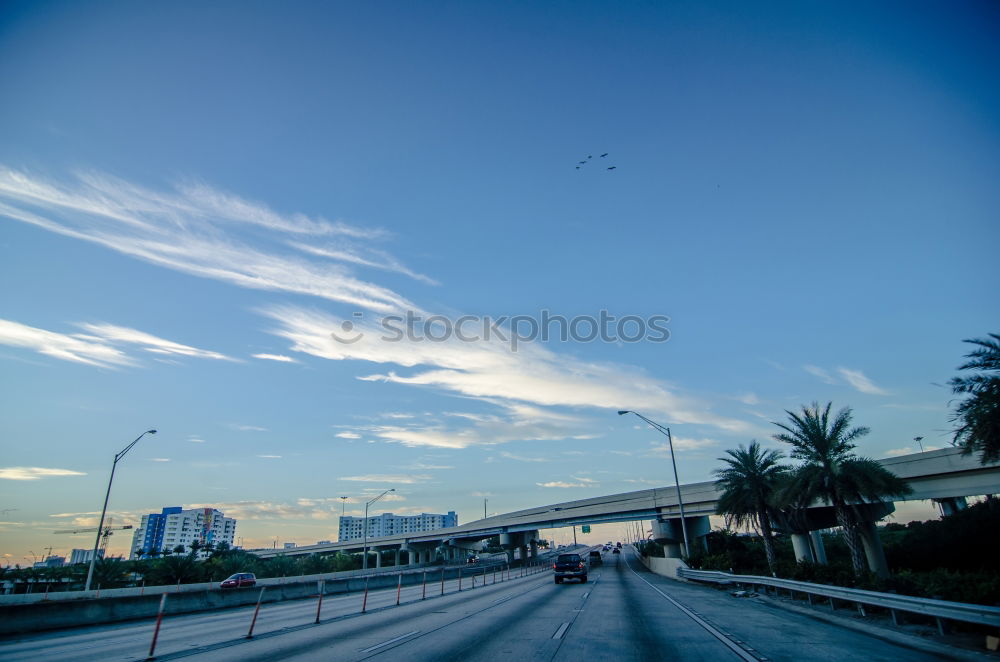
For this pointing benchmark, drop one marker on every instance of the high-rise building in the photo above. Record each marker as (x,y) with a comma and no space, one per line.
(164,531)
(387,524)
(84,555)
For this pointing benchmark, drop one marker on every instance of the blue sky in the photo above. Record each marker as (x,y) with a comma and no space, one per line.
(192,198)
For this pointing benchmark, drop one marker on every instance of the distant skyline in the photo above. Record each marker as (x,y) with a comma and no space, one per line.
(207,213)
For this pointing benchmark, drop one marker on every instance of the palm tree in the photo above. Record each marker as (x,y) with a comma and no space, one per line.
(978,416)
(831,472)
(748,484)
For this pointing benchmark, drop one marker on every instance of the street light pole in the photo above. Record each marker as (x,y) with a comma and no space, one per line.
(677,483)
(104,510)
(364,559)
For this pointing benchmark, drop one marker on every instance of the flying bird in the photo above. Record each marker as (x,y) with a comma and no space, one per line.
(590,156)
(612,167)
(604,154)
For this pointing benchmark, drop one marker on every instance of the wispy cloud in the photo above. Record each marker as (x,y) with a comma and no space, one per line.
(403,479)
(247,428)
(159,459)
(562,484)
(853,378)
(97,347)
(275,357)
(88,350)
(860,382)
(423,466)
(198,230)
(348,435)
(526,384)
(522,458)
(35,473)
(318,509)
(822,374)
(682,444)
(270,457)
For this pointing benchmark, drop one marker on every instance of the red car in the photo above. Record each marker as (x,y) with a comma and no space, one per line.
(239,580)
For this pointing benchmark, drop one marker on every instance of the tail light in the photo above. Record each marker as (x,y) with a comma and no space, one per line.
(581,565)
(553,566)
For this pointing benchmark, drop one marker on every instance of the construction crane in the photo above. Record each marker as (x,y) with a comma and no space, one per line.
(108,529)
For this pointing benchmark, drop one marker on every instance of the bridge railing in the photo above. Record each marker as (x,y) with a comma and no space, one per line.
(938,609)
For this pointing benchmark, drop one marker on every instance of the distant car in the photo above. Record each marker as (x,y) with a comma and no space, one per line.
(595,558)
(239,580)
(569,566)
(472,559)
(616,551)
(619,545)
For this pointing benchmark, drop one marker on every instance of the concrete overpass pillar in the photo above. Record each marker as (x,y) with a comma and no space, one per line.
(534,548)
(524,553)
(378,558)
(952,505)
(672,550)
(803,550)
(819,551)
(398,550)
(873,549)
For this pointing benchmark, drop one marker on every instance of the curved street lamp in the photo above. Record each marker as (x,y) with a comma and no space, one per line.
(680,502)
(107,495)
(364,560)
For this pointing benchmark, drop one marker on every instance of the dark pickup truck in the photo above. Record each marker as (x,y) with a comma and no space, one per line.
(570,566)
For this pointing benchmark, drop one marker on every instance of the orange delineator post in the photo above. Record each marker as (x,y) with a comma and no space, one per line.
(321,586)
(156,630)
(255,612)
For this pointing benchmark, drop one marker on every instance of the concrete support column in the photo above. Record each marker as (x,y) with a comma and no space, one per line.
(952,505)
(524,553)
(378,558)
(398,550)
(803,550)
(672,550)
(873,549)
(819,551)
(534,548)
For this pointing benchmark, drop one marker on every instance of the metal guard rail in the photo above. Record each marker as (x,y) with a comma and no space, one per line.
(954,611)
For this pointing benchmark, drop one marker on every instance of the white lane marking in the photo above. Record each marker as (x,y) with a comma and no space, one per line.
(586,594)
(391,641)
(747,657)
(504,597)
(561,631)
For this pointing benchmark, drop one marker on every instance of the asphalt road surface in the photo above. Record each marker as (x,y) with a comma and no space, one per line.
(624,612)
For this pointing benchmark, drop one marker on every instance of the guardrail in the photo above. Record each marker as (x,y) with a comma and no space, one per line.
(937,609)
(492,561)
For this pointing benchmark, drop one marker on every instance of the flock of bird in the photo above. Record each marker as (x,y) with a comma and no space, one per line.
(587,160)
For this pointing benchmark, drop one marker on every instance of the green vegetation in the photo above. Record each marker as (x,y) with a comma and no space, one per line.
(749,483)
(949,559)
(831,472)
(977,416)
(182,568)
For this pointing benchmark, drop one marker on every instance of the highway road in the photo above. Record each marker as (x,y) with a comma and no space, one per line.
(623,612)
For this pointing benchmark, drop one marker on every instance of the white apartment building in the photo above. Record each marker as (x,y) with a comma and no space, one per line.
(164,531)
(387,524)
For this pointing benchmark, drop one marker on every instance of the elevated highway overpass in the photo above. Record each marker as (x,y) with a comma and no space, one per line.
(944,475)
